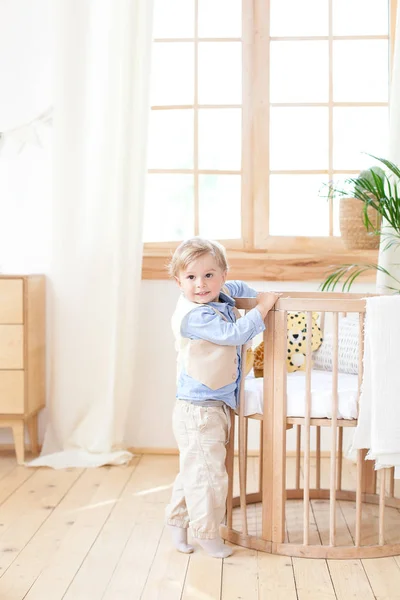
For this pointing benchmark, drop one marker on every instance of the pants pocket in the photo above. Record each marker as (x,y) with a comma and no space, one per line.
(216,427)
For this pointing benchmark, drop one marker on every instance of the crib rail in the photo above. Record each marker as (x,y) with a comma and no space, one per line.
(295,303)
(273,492)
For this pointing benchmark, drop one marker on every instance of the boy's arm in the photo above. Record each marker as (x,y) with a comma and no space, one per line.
(206,324)
(240,289)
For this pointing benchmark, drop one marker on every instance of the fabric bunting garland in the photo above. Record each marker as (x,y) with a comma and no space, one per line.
(28,133)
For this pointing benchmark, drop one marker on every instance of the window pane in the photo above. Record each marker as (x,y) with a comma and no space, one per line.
(169,207)
(299,138)
(296,205)
(173,19)
(172,74)
(356,131)
(360,17)
(295,17)
(220,206)
(220,73)
(299,71)
(220,139)
(220,18)
(171,139)
(360,71)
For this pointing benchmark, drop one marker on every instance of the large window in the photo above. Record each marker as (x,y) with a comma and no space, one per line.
(256,105)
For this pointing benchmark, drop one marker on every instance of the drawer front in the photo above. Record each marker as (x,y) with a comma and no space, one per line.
(11,300)
(12,392)
(11,346)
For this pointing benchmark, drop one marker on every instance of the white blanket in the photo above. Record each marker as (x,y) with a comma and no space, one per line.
(321,395)
(378,426)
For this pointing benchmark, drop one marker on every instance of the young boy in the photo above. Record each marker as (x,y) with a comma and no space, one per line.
(208,340)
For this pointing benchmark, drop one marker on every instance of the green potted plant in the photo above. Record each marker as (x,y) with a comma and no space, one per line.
(378,190)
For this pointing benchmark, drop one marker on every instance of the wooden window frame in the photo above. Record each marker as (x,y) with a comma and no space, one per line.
(257,255)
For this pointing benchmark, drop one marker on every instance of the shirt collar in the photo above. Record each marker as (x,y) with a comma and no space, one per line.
(225,298)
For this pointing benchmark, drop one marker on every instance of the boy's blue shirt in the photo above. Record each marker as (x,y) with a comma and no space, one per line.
(204,323)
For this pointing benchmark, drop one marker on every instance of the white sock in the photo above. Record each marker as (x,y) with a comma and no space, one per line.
(215,547)
(179,539)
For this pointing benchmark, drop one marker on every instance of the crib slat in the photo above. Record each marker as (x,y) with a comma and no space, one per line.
(307,427)
(318,458)
(268,427)
(260,460)
(298,450)
(382,507)
(243,429)
(332,495)
(322,323)
(279,428)
(360,465)
(360,356)
(369,474)
(243,454)
(340,460)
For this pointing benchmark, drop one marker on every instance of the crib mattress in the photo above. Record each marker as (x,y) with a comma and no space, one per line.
(321,395)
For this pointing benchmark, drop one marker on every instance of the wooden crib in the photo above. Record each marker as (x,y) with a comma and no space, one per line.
(337,518)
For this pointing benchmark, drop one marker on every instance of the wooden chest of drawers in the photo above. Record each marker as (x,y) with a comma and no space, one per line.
(22,356)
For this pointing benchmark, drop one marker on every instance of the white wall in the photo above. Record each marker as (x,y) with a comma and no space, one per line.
(26,68)
(26,60)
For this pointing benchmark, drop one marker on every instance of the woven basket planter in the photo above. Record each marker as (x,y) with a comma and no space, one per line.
(352,228)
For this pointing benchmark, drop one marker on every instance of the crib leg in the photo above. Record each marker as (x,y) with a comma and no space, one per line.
(391,483)
(268,428)
(279,433)
(369,480)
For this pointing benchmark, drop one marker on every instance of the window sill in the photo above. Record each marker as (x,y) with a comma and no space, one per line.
(259,265)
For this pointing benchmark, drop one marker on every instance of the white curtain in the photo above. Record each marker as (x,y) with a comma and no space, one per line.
(390,258)
(102,66)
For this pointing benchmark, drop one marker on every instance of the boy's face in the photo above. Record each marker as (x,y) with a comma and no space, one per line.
(202,280)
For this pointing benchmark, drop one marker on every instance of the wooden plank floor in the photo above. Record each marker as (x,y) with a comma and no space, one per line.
(98,534)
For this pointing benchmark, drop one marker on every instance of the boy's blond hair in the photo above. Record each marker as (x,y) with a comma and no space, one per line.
(191,249)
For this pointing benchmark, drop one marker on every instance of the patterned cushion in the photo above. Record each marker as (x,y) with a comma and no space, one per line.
(348,348)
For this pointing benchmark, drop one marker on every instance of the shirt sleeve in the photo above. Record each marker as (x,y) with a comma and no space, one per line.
(240,289)
(206,324)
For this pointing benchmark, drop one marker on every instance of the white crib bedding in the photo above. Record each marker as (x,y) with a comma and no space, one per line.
(321,395)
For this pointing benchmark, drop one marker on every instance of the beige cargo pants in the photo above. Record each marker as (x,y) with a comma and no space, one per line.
(199,493)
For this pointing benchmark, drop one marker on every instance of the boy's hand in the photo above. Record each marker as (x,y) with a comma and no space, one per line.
(265,301)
